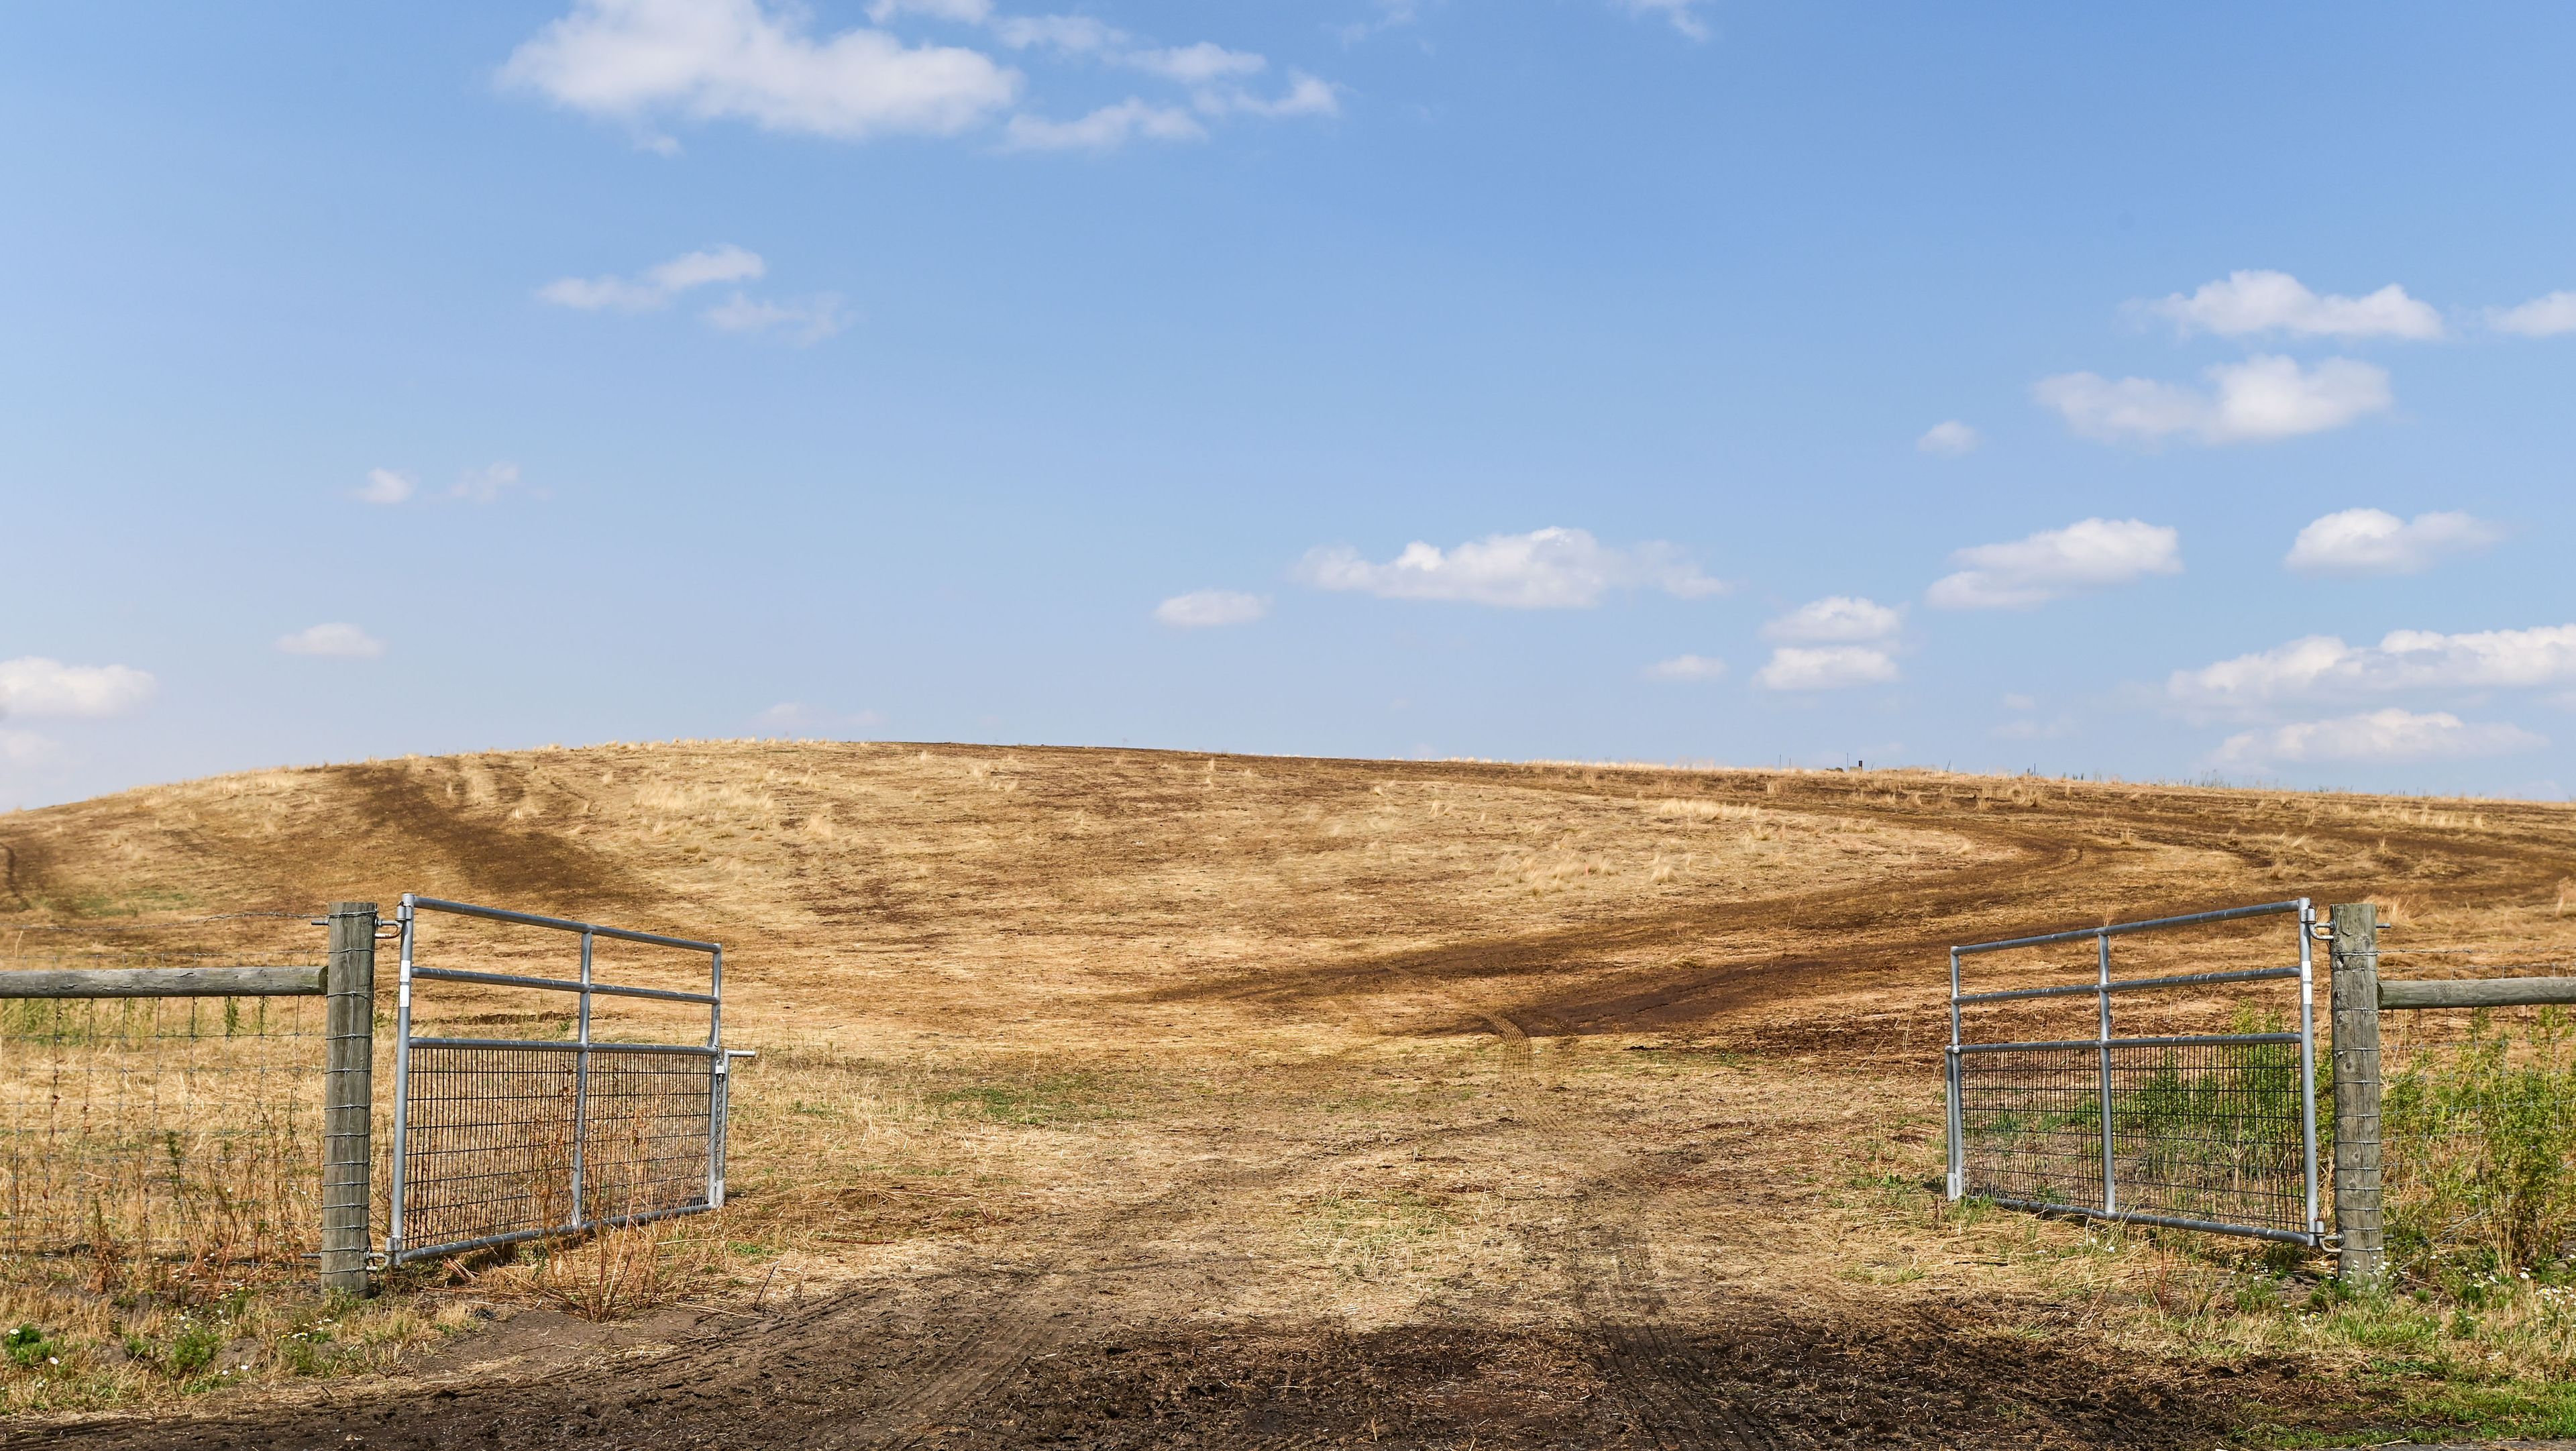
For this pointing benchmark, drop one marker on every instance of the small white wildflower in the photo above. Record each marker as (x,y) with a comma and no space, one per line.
(53,1360)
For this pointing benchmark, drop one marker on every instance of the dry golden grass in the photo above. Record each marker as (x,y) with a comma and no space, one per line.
(1381,1042)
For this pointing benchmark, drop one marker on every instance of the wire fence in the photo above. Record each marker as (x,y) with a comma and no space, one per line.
(153,1141)
(2478,1123)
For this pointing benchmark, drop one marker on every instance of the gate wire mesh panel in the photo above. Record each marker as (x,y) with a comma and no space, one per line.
(2032,1121)
(2211,1131)
(647,1146)
(488,1141)
(487,1144)
(2478,1126)
(153,1142)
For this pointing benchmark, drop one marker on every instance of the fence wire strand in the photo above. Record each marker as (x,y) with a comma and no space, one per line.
(161,1136)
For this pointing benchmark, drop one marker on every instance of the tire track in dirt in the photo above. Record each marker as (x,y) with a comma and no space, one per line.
(1044,1315)
(1647,1366)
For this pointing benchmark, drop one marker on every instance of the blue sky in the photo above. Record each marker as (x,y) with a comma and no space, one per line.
(2151,394)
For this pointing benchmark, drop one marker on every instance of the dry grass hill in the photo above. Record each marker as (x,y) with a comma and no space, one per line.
(1123,1097)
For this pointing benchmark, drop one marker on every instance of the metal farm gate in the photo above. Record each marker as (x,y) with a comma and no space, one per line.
(503,1139)
(2206,1131)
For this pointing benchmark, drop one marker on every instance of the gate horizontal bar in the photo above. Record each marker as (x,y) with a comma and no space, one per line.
(2164,1221)
(559,984)
(561,924)
(162,982)
(2189,979)
(561,1047)
(2116,928)
(2482,992)
(2187,1040)
(522,1236)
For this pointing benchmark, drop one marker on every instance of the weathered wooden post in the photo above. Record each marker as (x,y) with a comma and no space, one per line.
(2364,1257)
(348,1097)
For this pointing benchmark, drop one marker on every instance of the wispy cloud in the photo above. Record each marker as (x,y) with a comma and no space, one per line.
(2373,541)
(2378,736)
(656,286)
(1825,667)
(1210,608)
(1950,439)
(2054,563)
(2259,400)
(1682,15)
(1687,668)
(804,320)
(1836,618)
(35,685)
(1107,128)
(1545,569)
(487,484)
(2246,303)
(336,641)
(384,486)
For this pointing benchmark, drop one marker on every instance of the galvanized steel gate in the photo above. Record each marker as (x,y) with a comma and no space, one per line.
(2212,1132)
(501,1140)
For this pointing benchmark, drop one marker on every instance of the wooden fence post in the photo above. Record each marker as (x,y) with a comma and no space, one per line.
(2364,1257)
(348,1097)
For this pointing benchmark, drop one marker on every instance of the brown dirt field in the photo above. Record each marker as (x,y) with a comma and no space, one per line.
(1131,1098)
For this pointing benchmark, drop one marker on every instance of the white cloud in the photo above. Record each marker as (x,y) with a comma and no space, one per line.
(657,285)
(2054,563)
(1683,14)
(2379,735)
(1197,65)
(737,59)
(808,321)
(1306,96)
(1545,569)
(2250,302)
(963,12)
(2321,666)
(1825,667)
(486,484)
(34,685)
(1687,667)
(339,641)
(1203,609)
(1391,14)
(384,486)
(1067,34)
(2021,702)
(2256,401)
(1107,128)
(2542,317)
(1951,438)
(1836,618)
(2373,541)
